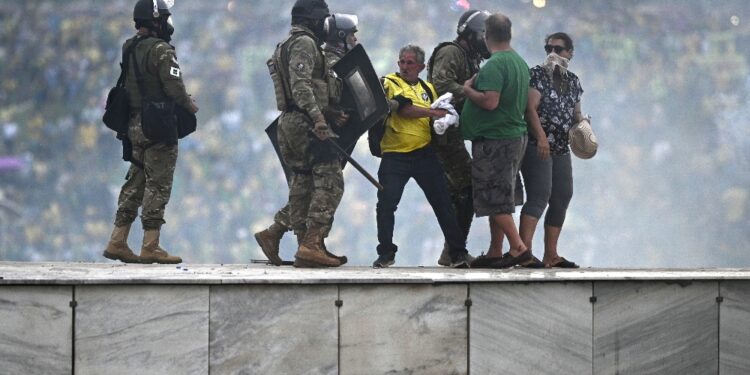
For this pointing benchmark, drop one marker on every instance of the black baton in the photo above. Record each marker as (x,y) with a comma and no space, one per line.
(355,164)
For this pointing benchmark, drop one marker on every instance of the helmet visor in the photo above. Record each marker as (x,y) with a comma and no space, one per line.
(346,22)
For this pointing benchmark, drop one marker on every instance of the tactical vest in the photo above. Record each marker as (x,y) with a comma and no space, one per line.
(471,67)
(151,83)
(335,86)
(326,89)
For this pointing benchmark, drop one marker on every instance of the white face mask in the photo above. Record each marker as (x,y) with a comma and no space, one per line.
(553,61)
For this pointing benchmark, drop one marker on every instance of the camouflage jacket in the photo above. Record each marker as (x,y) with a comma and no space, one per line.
(450,66)
(162,77)
(333,54)
(308,72)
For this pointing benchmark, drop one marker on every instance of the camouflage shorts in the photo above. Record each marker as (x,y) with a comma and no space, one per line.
(494,169)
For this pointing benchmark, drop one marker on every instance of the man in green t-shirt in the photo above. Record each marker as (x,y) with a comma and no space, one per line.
(493,119)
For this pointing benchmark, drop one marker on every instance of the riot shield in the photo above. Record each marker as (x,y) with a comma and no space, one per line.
(271,131)
(363,96)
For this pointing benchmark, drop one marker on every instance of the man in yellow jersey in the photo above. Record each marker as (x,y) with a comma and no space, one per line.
(407,154)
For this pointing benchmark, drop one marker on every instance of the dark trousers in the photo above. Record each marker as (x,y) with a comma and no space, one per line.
(395,171)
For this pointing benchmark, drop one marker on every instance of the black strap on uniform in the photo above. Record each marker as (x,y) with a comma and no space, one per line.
(129,52)
(127,146)
(467,58)
(138,75)
(141,90)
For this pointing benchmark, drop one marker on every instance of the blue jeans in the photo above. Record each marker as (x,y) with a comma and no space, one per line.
(395,171)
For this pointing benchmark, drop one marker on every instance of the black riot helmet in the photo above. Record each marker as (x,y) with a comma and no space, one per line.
(311,9)
(154,15)
(150,9)
(471,28)
(338,26)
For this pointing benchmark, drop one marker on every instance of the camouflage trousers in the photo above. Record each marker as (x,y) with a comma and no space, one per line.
(456,162)
(149,187)
(315,188)
(283,218)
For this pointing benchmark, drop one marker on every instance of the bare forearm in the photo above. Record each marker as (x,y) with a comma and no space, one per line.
(487,100)
(577,113)
(412,111)
(534,125)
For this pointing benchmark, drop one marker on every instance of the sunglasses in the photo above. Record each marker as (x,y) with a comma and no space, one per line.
(549,48)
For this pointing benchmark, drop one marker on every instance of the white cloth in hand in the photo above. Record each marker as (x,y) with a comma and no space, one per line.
(451,119)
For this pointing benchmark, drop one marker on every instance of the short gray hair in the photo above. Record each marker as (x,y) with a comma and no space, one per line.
(416,50)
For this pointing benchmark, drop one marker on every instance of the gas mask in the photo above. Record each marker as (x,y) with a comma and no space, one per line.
(166,28)
(318,29)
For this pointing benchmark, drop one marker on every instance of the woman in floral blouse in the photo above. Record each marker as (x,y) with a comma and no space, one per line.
(555,103)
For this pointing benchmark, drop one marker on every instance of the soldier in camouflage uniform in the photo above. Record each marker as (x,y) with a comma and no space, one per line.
(340,36)
(451,64)
(149,180)
(317,183)
(339,30)
(340,39)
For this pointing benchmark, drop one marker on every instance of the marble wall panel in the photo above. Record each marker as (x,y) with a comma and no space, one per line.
(274,329)
(36,329)
(656,328)
(734,329)
(536,328)
(403,329)
(143,329)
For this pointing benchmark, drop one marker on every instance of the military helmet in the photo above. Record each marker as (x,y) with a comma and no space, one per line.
(472,21)
(313,9)
(339,25)
(150,9)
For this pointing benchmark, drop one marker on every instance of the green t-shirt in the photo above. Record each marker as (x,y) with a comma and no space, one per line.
(507,73)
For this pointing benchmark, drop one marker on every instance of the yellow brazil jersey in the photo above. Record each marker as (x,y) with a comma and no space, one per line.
(406,134)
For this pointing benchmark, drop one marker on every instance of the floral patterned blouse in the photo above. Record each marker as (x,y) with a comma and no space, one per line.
(555,109)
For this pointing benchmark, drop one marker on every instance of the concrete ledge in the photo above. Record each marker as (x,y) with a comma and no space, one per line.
(19,273)
(238,319)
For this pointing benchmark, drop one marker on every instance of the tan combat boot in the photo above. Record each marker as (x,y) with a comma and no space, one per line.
(310,254)
(342,258)
(269,240)
(117,248)
(152,253)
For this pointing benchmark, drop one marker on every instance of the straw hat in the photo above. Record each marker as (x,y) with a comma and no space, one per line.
(583,142)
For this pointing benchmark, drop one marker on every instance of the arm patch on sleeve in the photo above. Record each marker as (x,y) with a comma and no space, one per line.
(175,72)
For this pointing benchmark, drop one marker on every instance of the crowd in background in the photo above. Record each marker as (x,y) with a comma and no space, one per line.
(666,83)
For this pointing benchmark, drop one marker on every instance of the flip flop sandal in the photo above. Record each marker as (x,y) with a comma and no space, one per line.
(534,262)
